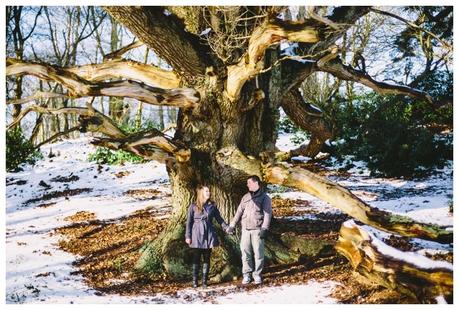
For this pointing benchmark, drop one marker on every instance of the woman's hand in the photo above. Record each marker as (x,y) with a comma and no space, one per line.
(188,241)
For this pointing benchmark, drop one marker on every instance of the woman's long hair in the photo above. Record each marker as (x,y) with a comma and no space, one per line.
(200,200)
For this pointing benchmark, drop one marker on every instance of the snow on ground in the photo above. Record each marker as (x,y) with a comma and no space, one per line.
(284,142)
(317,293)
(31,252)
(424,200)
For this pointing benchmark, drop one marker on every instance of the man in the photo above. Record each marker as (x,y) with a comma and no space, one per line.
(256,212)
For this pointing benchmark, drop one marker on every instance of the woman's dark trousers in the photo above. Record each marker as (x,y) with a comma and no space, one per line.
(197,254)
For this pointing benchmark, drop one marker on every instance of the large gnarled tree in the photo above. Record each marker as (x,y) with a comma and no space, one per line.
(228,82)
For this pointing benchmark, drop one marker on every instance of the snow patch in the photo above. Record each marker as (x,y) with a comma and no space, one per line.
(312,292)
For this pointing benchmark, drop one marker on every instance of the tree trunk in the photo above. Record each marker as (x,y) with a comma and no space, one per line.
(161,117)
(207,131)
(411,273)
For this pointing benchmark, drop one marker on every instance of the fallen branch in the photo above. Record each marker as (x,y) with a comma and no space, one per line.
(328,191)
(408,272)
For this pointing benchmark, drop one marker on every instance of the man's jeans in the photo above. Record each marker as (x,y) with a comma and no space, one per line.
(252,249)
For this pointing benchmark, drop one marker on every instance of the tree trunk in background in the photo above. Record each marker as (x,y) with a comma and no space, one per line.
(138,116)
(115,104)
(161,117)
(171,114)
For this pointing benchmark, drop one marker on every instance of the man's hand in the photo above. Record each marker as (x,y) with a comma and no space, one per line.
(188,241)
(263,233)
(230,230)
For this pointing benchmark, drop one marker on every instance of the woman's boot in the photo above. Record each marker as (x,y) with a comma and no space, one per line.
(205,273)
(195,270)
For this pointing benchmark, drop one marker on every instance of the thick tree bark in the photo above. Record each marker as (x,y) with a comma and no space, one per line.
(166,36)
(410,273)
(304,116)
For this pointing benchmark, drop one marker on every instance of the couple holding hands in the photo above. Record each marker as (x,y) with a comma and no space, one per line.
(256,212)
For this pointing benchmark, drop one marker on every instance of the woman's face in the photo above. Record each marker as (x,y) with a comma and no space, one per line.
(205,193)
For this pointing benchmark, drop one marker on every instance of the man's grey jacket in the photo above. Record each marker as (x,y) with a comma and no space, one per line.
(255,210)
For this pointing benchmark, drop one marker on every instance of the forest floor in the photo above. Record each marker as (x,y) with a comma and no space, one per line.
(74,228)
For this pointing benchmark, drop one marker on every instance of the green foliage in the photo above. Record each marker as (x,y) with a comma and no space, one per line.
(436,19)
(19,150)
(106,156)
(286,125)
(299,135)
(439,85)
(385,132)
(130,127)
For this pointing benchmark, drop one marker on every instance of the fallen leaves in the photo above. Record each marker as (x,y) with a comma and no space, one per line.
(70,178)
(57,194)
(45,274)
(122,174)
(143,194)
(46,205)
(81,216)
(110,248)
(109,251)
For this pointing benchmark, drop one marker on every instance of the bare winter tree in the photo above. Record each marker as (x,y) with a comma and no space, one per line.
(228,80)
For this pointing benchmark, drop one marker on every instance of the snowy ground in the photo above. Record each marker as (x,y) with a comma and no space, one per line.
(38,272)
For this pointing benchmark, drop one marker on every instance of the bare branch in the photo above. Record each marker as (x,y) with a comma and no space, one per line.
(79,87)
(94,121)
(409,272)
(57,135)
(264,36)
(313,13)
(38,95)
(128,69)
(413,25)
(117,54)
(149,145)
(34,24)
(341,71)
(307,118)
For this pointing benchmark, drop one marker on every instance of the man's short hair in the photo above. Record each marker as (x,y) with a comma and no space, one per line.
(255,178)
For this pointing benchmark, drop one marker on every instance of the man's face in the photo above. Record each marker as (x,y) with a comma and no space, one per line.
(252,185)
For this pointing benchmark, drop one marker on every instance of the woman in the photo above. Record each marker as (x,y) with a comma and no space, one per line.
(200,234)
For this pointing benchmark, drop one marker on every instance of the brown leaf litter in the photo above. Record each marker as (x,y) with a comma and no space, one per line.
(57,194)
(110,249)
(80,216)
(143,194)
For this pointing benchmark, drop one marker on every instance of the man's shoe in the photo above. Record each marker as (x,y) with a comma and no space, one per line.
(257,280)
(246,279)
